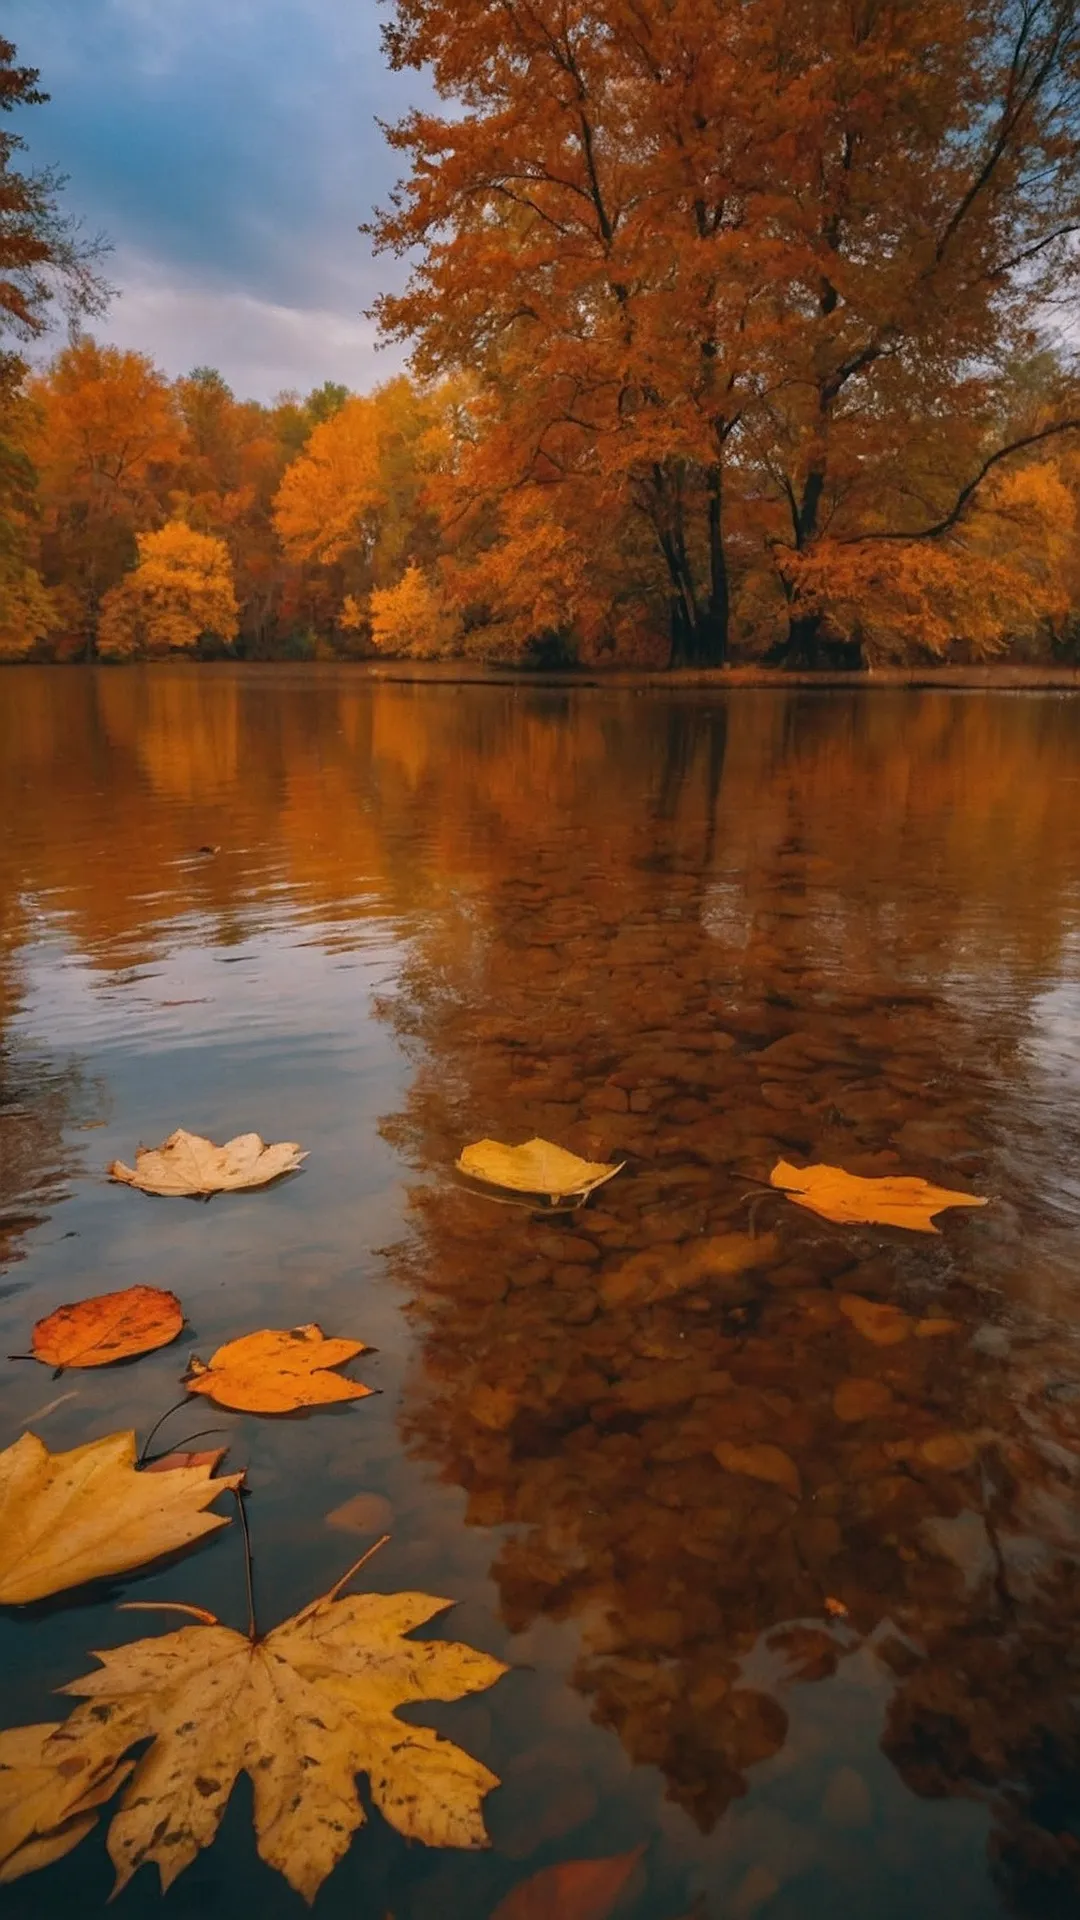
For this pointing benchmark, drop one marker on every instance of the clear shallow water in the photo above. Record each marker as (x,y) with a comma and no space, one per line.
(700,934)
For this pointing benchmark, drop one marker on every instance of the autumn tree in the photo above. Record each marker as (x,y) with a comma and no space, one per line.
(323,402)
(28,611)
(741,269)
(233,458)
(181,592)
(354,503)
(107,448)
(934,200)
(577,250)
(547,574)
(413,617)
(43,253)
(43,257)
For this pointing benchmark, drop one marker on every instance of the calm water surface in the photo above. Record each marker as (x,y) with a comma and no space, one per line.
(694,935)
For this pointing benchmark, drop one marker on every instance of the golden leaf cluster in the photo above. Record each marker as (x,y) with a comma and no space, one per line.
(302,1710)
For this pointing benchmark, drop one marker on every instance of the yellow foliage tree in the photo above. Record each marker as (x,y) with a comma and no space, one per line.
(356,502)
(412,618)
(331,493)
(181,589)
(27,611)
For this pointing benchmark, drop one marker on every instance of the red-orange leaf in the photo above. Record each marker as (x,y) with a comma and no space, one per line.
(574,1890)
(169,1462)
(110,1326)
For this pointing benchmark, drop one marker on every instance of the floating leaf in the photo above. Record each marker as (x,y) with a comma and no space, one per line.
(168,1462)
(70,1517)
(276,1372)
(896,1201)
(302,1712)
(187,1164)
(573,1890)
(47,1804)
(536,1167)
(111,1326)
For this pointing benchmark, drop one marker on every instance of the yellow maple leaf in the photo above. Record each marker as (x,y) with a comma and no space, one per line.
(898,1200)
(538,1166)
(70,1517)
(276,1371)
(48,1803)
(302,1711)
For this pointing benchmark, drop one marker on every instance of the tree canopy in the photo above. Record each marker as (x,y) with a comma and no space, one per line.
(756,275)
(733,332)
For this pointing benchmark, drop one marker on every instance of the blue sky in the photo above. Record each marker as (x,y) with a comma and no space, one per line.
(228,148)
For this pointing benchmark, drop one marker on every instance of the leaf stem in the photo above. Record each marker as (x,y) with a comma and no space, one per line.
(159,1423)
(147,1459)
(253,1631)
(355,1568)
(169,1606)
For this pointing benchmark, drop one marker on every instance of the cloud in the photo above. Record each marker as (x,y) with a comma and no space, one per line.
(229,149)
(262,347)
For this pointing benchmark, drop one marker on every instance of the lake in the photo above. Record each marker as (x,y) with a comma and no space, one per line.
(787,1587)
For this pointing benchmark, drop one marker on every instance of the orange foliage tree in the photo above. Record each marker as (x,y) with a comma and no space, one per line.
(107,448)
(354,501)
(235,453)
(549,574)
(1003,576)
(755,274)
(118,450)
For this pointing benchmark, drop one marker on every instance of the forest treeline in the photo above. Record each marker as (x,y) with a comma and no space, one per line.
(734,331)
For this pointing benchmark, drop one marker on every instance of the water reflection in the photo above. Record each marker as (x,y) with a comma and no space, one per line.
(811,944)
(40,1101)
(815,1590)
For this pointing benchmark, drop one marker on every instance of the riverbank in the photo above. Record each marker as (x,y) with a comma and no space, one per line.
(1012,678)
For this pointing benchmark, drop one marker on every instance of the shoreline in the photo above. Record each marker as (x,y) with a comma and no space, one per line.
(458,673)
(722,679)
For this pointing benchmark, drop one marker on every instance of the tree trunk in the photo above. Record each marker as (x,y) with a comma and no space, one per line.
(800,647)
(713,630)
(803,641)
(684,612)
(680,649)
(699,634)
(805,646)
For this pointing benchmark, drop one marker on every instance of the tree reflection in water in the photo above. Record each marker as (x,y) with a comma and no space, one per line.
(38,1101)
(811,951)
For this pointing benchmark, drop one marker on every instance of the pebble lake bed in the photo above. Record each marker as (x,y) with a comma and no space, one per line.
(773,1519)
